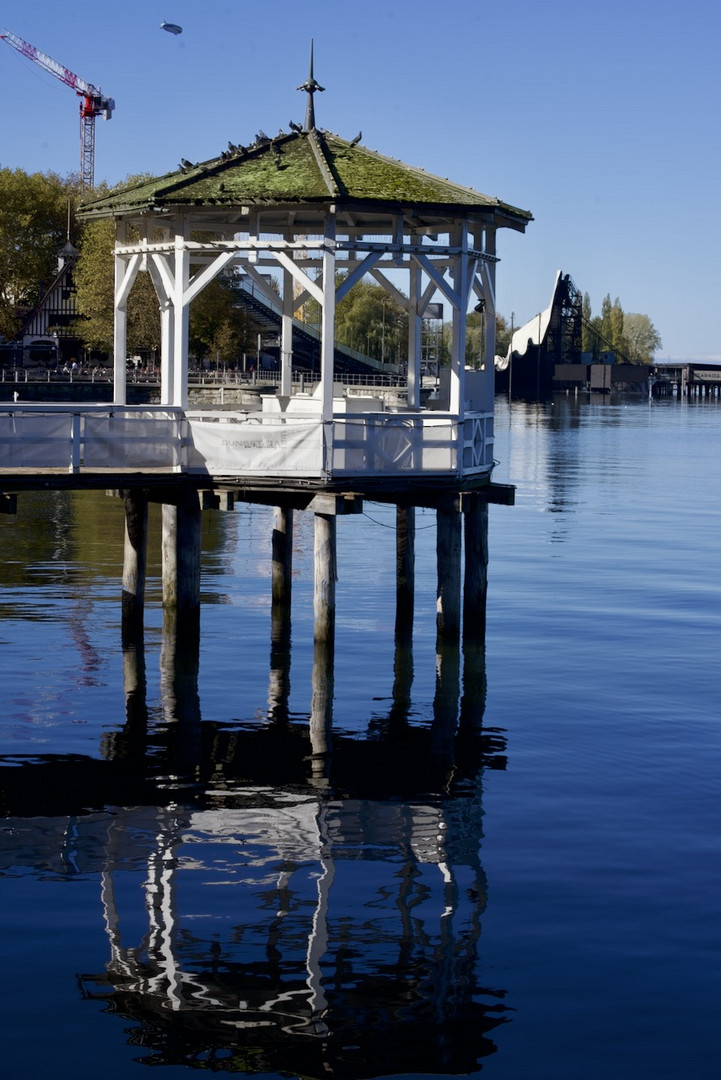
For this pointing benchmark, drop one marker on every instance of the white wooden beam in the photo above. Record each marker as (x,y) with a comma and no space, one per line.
(450,293)
(356,274)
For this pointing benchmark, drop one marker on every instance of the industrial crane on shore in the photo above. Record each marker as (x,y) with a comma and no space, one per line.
(92,101)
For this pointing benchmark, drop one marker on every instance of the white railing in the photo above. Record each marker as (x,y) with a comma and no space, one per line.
(257,444)
(370,444)
(92,437)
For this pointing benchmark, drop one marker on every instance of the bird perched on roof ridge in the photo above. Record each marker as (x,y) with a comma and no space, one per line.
(357,139)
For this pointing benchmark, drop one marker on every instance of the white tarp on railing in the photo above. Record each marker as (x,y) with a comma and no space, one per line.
(256,447)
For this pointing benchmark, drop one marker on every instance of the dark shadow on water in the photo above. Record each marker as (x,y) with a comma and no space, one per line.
(309,903)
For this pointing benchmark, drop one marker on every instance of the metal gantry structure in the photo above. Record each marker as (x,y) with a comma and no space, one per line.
(92,101)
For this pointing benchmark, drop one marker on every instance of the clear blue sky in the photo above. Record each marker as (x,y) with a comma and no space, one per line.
(601,119)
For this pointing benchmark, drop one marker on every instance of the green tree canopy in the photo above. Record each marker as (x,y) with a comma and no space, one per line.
(33,228)
(219,328)
(642,337)
(94,278)
(368,319)
(632,337)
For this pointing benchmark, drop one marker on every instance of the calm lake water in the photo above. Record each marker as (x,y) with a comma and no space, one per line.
(511,867)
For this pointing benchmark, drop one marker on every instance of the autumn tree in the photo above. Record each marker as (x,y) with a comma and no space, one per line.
(33,228)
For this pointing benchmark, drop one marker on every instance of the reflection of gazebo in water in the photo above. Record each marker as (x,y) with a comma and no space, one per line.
(295,902)
(324,937)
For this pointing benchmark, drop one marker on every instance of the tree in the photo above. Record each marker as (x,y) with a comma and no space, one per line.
(368,319)
(632,337)
(219,328)
(33,229)
(503,335)
(475,330)
(606,326)
(94,282)
(642,337)
(372,321)
(588,336)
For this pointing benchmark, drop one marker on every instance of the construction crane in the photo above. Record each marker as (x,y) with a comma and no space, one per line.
(92,101)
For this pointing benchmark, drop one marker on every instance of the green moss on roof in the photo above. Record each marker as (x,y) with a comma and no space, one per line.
(298,168)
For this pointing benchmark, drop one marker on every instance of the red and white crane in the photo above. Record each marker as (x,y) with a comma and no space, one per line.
(92,101)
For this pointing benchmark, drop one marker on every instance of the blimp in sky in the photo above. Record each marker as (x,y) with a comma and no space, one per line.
(171,27)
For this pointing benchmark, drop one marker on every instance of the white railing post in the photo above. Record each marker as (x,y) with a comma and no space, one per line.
(75,437)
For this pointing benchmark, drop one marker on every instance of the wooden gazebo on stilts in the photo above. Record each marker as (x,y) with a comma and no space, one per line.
(319,213)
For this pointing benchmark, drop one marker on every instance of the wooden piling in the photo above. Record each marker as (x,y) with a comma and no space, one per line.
(282,555)
(448,563)
(134,563)
(280,634)
(324,578)
(475,582)
(181,552)
(405,568)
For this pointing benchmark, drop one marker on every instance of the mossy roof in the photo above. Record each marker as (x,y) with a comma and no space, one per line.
(300,167)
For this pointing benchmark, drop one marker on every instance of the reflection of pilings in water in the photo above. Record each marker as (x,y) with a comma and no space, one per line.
(131,743)
(179,665)
(379,960)
(473,699)
(282,548)
(445,702)
(319,938)
(134,563)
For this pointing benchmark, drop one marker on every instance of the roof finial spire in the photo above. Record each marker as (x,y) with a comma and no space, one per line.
(310,86)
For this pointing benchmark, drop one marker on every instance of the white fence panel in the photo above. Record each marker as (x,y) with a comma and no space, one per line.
(385,445)
(39,440)
(119,440)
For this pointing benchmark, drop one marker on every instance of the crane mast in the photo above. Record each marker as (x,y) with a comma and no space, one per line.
(92,101)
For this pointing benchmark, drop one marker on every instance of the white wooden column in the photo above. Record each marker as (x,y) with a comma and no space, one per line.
(488,277)
(178,374)
(120,319)
(327,339)
(458,345)
(415,326)
(120,338)
(286,336)
(161,276)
